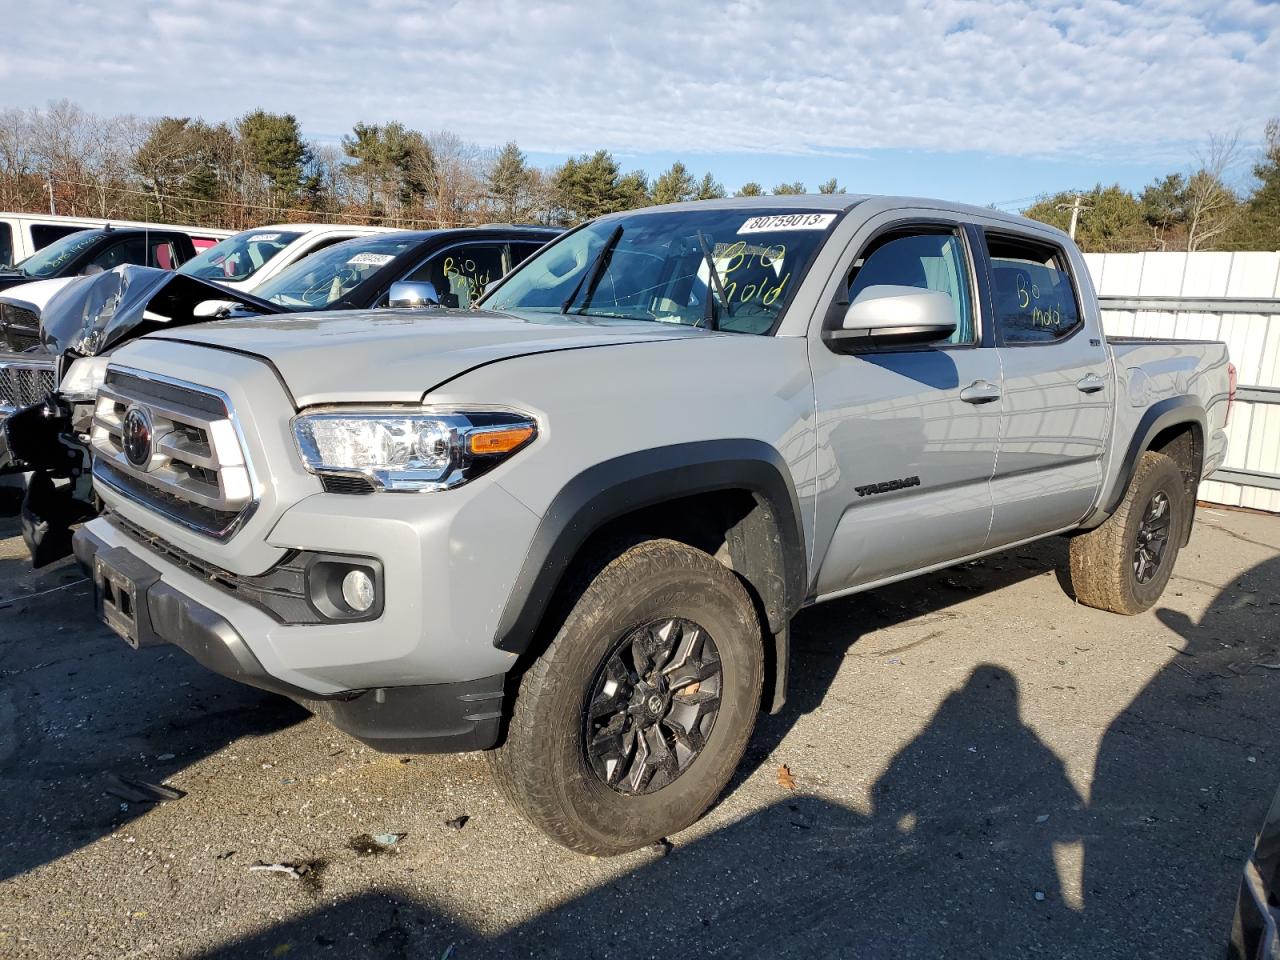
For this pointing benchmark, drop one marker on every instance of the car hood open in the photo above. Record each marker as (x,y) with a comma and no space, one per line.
(398,355)
(93,314)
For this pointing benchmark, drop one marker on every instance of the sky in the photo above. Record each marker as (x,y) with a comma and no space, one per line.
(982,102)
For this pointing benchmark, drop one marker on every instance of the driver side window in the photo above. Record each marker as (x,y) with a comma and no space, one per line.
(930,260)
(461,274)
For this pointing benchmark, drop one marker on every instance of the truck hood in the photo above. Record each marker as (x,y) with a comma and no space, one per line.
(96,313)
(35,295)
(399,355)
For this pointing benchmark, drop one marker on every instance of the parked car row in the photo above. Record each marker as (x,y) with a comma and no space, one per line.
(62,331)
(566,511)
(22,234)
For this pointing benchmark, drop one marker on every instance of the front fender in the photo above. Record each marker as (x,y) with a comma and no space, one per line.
(619,486)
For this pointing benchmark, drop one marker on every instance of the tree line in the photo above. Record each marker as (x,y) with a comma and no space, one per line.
(1194,210)
(260,168)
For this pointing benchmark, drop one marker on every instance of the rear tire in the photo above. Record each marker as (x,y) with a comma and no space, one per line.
(632,722)
(1124,565)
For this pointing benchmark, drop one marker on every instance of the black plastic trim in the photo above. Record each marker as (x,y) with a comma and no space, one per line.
(1157,418)
(624,484)
(427,718)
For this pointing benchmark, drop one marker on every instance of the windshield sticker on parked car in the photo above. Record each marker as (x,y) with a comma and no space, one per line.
(371,259)
(787,221)
(264,237)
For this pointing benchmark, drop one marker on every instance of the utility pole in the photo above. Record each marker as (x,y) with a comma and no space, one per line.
(1075,208)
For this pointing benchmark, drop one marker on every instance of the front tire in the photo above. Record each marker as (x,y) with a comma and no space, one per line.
(631,723)
(1124,565)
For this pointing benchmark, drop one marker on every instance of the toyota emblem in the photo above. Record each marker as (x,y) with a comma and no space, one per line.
(136,434)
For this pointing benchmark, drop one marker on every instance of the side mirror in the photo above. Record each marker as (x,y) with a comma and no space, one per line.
(886,315)
(91,269)
(413,293)
(213,308)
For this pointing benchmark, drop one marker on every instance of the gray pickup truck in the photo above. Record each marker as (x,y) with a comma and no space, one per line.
(572,526)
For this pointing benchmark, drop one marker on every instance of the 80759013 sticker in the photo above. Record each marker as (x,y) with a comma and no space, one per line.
(778,222)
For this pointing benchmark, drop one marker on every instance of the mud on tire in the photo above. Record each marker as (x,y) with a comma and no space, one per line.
(632,721)
(1124,565)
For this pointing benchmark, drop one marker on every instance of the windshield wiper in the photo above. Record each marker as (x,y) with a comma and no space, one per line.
(713,320)
(596,271)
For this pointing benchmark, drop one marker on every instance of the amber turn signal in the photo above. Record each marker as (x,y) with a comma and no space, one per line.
(486,443)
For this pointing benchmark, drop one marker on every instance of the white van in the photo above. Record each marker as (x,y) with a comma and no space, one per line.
(22,234)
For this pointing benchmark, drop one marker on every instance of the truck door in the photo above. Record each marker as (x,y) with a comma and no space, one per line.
(1058,389)
(906,436)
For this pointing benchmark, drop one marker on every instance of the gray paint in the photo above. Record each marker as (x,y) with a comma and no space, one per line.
(1040,459)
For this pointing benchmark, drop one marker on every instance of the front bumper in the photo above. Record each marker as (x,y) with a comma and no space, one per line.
(421,718)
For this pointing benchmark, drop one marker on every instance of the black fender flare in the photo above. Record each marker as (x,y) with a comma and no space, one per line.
(1160,416)
(616,487)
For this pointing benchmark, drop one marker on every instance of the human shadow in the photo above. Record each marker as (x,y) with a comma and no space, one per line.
(822,636)
(79,707)
(946,863)
(1184,774)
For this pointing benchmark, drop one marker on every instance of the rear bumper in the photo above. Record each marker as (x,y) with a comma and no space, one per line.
(425,718)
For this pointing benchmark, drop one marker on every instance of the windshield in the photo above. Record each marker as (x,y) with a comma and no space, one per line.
(239,257)
(51,259)
(328,276)
(657,266)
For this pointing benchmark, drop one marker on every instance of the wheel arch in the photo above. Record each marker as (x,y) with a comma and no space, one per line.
(733,498)
(1175,427)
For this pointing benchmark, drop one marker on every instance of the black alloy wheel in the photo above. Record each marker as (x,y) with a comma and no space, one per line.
(1153,537)
(652,706)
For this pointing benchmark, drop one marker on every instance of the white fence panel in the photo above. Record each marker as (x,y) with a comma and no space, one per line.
(1251,475)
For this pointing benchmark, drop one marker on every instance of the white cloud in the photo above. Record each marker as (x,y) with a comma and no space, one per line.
(1017,77)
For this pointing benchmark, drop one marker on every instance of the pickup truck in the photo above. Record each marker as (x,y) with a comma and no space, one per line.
(572,525)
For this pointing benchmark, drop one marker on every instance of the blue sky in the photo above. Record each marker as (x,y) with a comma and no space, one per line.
(975,101)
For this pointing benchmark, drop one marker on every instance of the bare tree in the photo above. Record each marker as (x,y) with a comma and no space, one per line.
(457,185)
(1211,205)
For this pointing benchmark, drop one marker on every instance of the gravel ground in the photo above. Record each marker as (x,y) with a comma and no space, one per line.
(981,768)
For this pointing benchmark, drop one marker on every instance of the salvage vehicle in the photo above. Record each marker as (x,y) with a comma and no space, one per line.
(240,262)
(45,430)
(572,525)
(79,253)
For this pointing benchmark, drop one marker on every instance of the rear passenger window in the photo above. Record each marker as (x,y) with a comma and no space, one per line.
(932,260)
(1035,301)
(6,245)
(163,255)
(43,234)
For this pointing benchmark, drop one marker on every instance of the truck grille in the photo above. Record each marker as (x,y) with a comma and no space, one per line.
(24,381)
(19,327)
(174,448)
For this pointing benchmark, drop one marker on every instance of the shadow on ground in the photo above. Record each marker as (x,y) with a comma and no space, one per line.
(966,849)
(956,856)
(77,706)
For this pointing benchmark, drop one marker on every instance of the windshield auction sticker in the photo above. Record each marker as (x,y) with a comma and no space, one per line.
(263,238)
(372,259)
(787,221)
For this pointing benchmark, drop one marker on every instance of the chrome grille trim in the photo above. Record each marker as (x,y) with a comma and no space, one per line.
(24,380)
(199,474)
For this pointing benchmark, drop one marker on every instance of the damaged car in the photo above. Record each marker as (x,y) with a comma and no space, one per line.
(47,393)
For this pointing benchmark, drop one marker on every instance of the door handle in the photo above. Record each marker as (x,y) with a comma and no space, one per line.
(980,391)
(1090,383)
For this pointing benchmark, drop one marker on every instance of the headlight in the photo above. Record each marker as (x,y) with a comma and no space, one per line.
(410,451)
(83,378)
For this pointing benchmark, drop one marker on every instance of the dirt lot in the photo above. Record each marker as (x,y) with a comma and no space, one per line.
(981,767)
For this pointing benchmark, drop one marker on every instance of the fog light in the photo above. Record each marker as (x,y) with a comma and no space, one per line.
(357,590)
